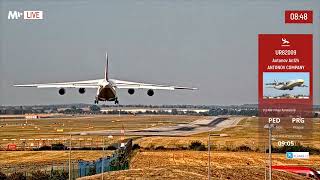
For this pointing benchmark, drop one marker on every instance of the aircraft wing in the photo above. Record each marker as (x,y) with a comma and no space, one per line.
(269,84)
(75,84)
(136,85)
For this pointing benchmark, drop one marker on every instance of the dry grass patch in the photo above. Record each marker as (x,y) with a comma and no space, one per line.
(46,157)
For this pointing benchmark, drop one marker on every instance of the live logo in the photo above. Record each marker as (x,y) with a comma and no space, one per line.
(33,14)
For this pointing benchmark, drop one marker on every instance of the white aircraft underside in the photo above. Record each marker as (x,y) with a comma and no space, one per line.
(106,88)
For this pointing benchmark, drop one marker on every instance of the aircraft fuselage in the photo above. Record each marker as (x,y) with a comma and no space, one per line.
(106,92)
(290,85)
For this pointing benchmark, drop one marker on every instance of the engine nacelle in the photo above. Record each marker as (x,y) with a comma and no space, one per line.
(62,91)
(82,90)
(131,91)
(150,92)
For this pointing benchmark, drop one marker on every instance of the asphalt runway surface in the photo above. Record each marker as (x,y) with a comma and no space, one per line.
(215,123)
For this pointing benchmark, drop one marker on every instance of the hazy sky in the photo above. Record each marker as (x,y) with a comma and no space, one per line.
(211,45)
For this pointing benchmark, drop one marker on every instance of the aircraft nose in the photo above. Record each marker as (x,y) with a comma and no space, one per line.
(300,80)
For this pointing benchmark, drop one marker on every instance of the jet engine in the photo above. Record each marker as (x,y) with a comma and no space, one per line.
(62,91)
(131,91)
(82,90)
(150,92)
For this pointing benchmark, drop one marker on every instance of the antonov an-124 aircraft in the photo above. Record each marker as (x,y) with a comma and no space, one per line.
(106,88)
(287,85)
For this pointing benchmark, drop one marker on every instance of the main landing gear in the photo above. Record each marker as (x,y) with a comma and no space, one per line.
(116,101)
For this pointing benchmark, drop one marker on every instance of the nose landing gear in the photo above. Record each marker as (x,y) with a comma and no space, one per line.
(96,102)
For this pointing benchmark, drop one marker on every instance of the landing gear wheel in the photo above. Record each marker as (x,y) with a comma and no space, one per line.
(96,101)
(116,101)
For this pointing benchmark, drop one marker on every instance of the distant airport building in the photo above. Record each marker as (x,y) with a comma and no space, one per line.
(31,116)
(154,110)
(39,116)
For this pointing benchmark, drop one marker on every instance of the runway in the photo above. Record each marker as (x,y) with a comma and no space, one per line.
(215,123)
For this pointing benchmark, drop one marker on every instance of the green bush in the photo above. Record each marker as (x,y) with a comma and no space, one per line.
(58,146)
(197,146)
(42,148)
(111,147)
(16,176)
(243,148)
(298,148)
(3,176)
(39,175)
(202,148)
(92,171)
(135,146)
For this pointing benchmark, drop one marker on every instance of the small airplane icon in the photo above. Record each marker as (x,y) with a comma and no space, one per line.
(285,42)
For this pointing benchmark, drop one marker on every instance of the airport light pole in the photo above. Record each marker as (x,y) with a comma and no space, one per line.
(102,162)
(103,155)
(265,162)
(270,153)
(209,160)
(70,144)
(270,127)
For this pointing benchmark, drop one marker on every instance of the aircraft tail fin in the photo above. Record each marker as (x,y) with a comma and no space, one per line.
(106,77)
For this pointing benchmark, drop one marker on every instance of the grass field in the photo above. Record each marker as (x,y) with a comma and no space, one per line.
(193,173)
(245,133)
(16,129)
(155,164)
(193,165)
(46,157)
(153,159)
